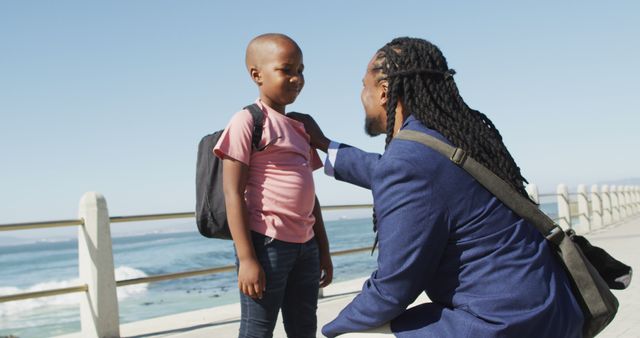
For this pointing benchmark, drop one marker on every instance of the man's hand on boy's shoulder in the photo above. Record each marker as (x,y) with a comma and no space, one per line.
(317,138)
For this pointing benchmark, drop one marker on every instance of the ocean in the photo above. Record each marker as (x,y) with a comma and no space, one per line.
(54,264)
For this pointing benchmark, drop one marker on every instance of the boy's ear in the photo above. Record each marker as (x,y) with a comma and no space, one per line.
(384,88)
(255,75)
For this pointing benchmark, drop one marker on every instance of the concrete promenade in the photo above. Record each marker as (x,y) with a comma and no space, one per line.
(622,240)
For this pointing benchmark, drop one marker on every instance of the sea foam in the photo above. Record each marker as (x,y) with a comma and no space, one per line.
(72,299)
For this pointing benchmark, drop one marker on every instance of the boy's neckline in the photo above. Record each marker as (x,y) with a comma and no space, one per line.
(271,112)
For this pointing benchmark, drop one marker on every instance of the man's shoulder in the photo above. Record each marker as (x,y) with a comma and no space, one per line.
(415,159)
(415,151)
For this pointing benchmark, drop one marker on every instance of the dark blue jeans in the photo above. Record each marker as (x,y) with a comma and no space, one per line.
(292,273)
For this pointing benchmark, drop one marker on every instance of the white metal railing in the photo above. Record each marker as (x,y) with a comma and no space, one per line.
(585,211)
(99,306)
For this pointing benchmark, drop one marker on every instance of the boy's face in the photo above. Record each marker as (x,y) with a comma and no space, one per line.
(279,73)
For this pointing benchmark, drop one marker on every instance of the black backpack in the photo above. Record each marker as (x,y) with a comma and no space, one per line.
(211,215)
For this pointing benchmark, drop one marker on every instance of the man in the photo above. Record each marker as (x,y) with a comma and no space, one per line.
(487,272)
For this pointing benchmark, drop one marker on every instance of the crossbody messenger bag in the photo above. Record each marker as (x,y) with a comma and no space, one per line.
(598,303)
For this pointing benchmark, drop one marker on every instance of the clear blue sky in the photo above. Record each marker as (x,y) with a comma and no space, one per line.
(113,96)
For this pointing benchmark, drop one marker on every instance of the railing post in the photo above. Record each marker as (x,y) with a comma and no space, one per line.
(564,211)
(632,200)
(628,203)
(622,196)
(632,194)
(630,206)
(596,208)
(584,222)
(532,190)
(615,204)
(99,305)
(607,214)
(636,198)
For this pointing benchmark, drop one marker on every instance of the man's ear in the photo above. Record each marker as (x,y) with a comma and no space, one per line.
(255,75)
(384,88)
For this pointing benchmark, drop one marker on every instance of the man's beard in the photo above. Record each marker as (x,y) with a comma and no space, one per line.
(372,126)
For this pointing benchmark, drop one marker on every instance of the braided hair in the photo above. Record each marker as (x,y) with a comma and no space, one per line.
(417,74)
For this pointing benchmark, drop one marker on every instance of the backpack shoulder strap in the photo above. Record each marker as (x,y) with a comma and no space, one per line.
(258,123)
(496,185)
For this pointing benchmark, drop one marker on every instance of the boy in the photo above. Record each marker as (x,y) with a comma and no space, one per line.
(274,216)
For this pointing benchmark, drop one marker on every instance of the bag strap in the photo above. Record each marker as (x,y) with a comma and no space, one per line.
(258,122)
(522,206)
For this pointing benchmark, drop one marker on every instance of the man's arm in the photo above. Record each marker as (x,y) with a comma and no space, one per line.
(354,166)
(413,235)
(326,266)
(251,277)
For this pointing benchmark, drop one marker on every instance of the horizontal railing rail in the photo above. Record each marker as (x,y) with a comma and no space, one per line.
(44,293)
(41,225)
(210,271)
(141,218)
(151,217)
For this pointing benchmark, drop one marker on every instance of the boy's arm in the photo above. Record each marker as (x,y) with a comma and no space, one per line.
(251,278)
(326,266)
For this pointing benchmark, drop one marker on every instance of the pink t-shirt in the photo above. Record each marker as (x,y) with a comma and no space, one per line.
(280,193)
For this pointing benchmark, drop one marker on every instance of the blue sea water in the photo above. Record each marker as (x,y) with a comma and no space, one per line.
(45,265)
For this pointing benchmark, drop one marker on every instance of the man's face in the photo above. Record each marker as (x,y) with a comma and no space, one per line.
(374,101)
(281,73)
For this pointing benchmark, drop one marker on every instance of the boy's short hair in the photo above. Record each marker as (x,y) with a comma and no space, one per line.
(254,46)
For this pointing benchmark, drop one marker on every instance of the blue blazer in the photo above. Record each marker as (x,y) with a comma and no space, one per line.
(487,272)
